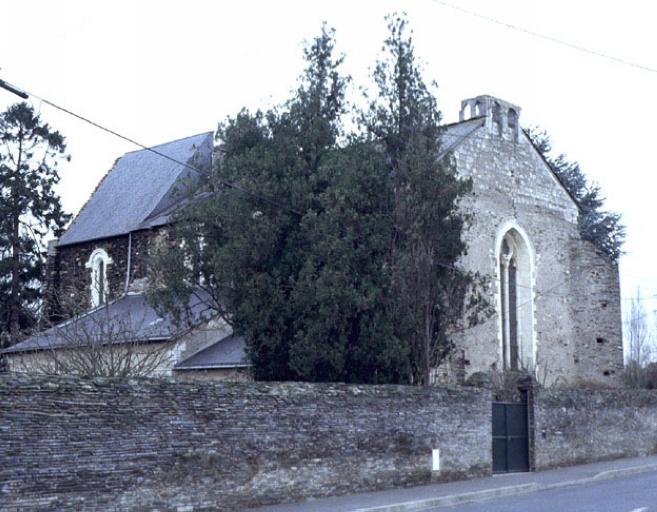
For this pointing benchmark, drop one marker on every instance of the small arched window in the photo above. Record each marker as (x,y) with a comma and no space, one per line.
(99,289)
(478,109)
(512,120)
(497,118)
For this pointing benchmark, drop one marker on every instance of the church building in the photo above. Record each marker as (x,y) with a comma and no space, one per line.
(556,296)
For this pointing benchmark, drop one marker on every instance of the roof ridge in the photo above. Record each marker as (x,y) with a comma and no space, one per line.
(84,205)
(146,198)
(166,143)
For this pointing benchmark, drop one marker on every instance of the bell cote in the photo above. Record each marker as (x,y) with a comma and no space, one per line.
(502,117)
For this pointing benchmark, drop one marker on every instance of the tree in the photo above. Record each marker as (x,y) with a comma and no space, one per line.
(430,296)
(297,265)
(339,264)
(30,210)
(640,343)
(597,225)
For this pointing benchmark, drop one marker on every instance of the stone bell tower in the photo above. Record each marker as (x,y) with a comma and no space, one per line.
(502,117)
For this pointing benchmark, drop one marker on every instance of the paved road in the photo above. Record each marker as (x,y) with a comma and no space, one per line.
(630,494)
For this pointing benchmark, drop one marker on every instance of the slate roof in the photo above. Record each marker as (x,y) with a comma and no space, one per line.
(127,319)
(140,187)
(229,352)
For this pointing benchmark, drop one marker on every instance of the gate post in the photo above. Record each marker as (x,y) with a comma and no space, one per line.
(527,389)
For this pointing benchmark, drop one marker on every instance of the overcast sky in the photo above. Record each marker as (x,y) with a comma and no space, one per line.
(157,71)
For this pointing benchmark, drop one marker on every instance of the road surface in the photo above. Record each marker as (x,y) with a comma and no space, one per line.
(636,493)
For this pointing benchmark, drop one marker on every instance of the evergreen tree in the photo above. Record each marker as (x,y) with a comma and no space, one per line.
(339,263)
(429,296)
(30,210)
(296,267)
(597,225)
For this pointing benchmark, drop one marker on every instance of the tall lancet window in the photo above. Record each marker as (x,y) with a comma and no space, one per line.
(516,302)
(99,289)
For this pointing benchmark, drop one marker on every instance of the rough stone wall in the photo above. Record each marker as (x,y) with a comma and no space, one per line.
(596,306)
(70,444)
(512,186)
(582,426)
(73,279)
(214,374)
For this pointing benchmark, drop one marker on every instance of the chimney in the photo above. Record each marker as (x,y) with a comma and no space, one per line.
(502,117)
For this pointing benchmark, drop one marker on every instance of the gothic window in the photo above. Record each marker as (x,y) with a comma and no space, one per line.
(99,288)
(516,302)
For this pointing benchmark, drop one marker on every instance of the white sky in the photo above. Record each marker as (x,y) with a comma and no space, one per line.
(160,70)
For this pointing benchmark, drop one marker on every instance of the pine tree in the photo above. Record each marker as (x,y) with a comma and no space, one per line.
(30,210)
(596,224)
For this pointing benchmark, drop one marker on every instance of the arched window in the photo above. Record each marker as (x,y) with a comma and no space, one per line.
(99,289)
(512,121)
(497,118)
(478,109)
(516,301)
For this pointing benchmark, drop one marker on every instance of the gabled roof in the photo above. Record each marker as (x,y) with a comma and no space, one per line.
(128,319)
(456,133)
(229,352)
(140,186)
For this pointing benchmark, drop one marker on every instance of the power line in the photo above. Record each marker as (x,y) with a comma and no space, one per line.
(546,37)
(23,93)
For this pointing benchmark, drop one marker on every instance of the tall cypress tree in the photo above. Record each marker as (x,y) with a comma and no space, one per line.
(429,296)
(30,210)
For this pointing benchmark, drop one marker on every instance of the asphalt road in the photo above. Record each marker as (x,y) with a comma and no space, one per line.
(630,494)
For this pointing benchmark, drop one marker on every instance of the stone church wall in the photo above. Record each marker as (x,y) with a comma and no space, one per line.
(596,308)
(100,444)
(512,188)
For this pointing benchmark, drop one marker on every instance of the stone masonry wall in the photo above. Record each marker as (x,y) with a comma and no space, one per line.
(582,426)
(514,189)
(100,444)
(74,279)
(596,306)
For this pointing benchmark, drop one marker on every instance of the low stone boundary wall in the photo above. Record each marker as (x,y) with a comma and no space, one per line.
(103,444)
(582,426)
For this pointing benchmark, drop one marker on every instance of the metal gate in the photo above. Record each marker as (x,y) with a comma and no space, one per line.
(510,437)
